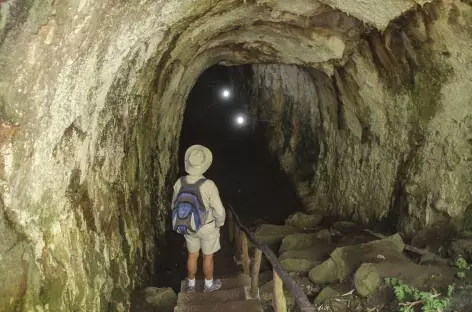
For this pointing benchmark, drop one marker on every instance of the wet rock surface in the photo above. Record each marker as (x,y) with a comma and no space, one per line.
(153,299)
(351,275)
(344,261)
(367,279)
(274,234)
(304,221)
(303,241)
(461,248)
(376,119)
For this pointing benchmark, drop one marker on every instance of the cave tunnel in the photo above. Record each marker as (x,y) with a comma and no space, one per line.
(356,115)
(247,175)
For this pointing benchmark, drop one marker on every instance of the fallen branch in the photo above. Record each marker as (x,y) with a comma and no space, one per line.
(348,293)
(419,251)
(412,304)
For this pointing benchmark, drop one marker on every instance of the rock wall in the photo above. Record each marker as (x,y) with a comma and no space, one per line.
(91,101)
(388,134)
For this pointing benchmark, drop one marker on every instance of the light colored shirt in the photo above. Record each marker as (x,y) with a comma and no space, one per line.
(210,197)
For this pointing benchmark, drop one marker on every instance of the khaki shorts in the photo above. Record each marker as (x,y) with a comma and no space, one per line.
(207,239)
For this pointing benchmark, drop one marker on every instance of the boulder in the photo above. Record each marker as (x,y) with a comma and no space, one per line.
(356,239)
(326,294)
(153,299)
(344,261)
(461,248)
(324,273)
(346,227)
(304,221)
(367,279)
(298,265)
(434,237)
(303,241)
(273,234)
(324,235)
(318,253)
(419,276)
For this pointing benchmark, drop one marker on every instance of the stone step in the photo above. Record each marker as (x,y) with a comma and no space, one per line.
(228,283)
(225,295)
(252,305)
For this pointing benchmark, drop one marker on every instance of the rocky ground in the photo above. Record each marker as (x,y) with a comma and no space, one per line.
(344,268)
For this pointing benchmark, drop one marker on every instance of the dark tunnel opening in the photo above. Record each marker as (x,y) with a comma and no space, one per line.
(248,177)
(246,173)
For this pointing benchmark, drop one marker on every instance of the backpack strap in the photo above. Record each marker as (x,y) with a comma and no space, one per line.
(189,185)
(194,186)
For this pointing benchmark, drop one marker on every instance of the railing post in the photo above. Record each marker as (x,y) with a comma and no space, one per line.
(278,297)
(237,238)
(255,273)
(231,226)
(245,249)
(280,274)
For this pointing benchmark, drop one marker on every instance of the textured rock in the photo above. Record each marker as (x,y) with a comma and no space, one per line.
(153,299)
(420,276)
(274,234)
(319,252)
(324,273)
(303,241)
(345,227)
(344,261)
(304,221)
(434,238)
(16,261)
(298,265)
(366,279)
(388,133)
(92,95)
(355,239)
(461,248)
(326,294)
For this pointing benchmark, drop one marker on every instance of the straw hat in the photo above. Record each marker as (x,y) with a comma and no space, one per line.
(198,159)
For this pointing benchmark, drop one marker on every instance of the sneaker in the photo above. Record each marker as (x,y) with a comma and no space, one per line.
(215,286)
(190,289)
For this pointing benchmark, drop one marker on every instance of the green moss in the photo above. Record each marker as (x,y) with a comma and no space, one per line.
(426,94)
(52,289)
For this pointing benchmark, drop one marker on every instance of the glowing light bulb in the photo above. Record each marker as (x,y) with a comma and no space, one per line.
(226,93)
(240,120)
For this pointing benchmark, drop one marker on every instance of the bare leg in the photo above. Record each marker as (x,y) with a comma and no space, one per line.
(208,266)
(192,265)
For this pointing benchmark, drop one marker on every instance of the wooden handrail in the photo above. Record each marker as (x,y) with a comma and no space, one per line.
(300,297)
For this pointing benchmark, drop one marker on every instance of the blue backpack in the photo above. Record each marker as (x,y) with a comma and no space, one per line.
(189,213)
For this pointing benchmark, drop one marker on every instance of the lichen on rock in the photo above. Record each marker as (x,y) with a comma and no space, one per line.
(95,92)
